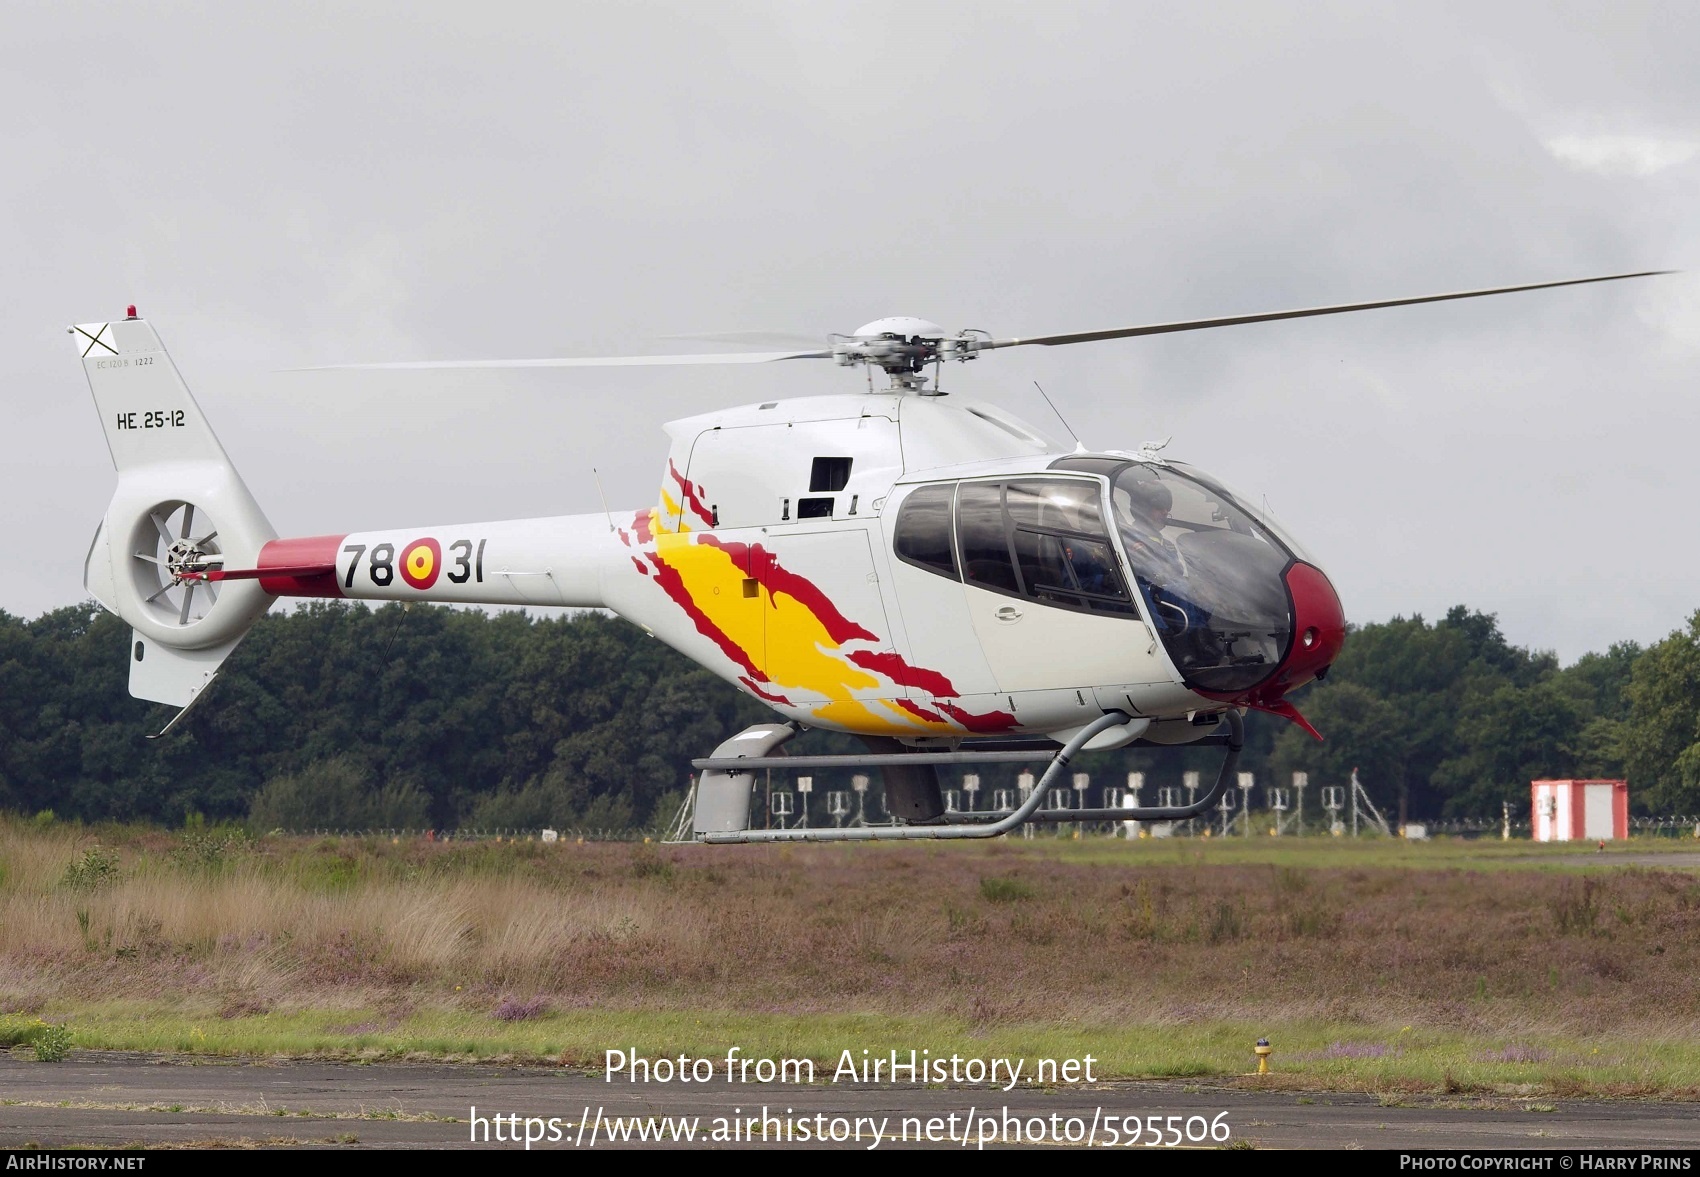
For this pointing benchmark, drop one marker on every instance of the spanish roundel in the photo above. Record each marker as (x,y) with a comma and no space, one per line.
(421,562)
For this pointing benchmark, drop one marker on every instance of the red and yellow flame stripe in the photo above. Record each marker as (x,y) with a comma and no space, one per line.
(795,637)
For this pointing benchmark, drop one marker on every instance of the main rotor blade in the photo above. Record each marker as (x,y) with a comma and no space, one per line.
(748,357)
(752,338)
(1307,312)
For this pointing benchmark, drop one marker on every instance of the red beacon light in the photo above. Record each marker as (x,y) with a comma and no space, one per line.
(130,311)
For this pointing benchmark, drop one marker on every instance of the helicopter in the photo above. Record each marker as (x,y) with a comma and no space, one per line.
(933,575)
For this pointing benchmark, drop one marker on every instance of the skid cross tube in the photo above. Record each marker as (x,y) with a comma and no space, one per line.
(1235,741)
(960,830)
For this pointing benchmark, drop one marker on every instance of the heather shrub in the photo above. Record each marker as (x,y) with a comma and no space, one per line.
(511,1009)
(1576,907)
(1003,890)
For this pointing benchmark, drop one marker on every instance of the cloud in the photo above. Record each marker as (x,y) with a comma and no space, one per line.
(454,186)
(1622,155)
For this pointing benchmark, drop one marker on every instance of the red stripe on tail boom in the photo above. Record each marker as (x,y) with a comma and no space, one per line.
(303,567)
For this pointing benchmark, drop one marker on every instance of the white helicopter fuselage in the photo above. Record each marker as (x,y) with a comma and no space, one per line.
(773,556)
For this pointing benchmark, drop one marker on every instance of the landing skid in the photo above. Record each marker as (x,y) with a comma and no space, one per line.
(723,793)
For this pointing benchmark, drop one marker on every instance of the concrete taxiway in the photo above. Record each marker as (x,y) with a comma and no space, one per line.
(111,1100)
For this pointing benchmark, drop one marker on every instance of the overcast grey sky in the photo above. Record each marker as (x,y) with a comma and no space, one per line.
(291,184)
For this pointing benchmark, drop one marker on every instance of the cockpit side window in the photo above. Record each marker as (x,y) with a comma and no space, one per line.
(924,530)
(985,541)
(1043,539)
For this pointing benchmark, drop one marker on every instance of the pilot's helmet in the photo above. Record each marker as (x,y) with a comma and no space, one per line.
(1150,498)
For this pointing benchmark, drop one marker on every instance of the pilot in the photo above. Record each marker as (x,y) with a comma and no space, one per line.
(1144,513)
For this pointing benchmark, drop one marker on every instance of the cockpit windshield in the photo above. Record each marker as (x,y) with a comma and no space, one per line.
(1210,573)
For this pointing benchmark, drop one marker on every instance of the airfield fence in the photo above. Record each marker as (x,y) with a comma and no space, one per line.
(1683,826)
(478,835)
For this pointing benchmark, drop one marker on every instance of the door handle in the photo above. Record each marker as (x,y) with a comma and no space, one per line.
(1008,613)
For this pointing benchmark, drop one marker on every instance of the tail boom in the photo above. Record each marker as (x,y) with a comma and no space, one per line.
(556,561)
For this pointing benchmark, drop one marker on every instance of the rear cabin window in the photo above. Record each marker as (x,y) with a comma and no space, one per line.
(923,530)
(1043,539)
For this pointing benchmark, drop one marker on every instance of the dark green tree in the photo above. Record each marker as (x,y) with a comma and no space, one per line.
(1507,738)
(504,720)
(1361,730)
(1660,740)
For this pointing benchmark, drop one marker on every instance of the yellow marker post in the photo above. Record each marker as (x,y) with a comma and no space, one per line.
(1263,1050)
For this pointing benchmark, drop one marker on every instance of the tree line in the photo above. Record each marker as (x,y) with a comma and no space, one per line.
(338,715)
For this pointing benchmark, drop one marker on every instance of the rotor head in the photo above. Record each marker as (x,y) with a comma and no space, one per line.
(902,346)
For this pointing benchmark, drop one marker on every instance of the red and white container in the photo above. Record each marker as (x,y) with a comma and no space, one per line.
(1575,811)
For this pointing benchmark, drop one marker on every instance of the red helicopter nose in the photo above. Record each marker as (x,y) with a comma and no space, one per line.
(1319,629)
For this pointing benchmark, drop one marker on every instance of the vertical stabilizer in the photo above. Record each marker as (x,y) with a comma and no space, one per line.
(179,510)
(144,405)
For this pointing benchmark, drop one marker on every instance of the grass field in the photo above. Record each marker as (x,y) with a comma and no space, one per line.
(1482,967)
